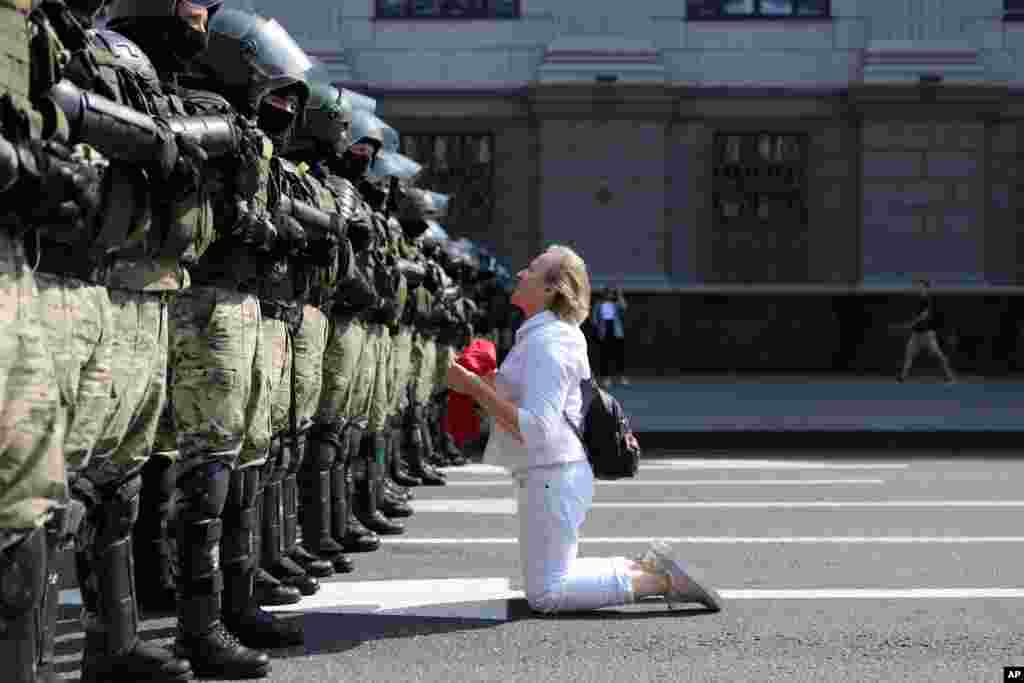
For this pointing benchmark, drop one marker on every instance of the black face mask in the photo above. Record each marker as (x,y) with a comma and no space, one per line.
(352,167)
(186,42)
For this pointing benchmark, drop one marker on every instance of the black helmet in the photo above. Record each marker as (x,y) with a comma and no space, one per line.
(156,26)
(252,56)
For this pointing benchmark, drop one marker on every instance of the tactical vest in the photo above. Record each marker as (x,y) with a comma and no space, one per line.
(228,261)
(317,270)
(170,230)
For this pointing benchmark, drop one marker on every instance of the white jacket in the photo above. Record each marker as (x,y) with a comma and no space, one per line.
(542,375)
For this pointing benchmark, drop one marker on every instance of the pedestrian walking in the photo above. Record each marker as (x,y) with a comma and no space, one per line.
(608,316)
(532,396)
(923,334)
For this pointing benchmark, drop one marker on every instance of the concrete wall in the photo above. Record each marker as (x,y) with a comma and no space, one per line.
(510,51)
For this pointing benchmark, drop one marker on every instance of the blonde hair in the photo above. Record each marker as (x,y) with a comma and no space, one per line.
(571,283)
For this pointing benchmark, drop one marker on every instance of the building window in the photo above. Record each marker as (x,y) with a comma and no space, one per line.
(759,200)
(758,9)
(1014,10)
(461,166)
(447,9)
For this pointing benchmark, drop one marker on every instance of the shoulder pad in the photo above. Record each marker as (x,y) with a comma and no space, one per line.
(128,54)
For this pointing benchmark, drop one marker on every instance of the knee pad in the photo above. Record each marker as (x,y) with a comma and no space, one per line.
(203,491)
(22,574)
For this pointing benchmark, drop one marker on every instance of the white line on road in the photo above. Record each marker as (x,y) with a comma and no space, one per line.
(507,506)
(726,540)
(420,595)
(713,464)
(724,464)
(691,482)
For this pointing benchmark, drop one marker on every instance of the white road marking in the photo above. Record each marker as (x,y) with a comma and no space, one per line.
(507,506)
(448,597)
(692,482)
(728,464)
(711,464)
(723,540)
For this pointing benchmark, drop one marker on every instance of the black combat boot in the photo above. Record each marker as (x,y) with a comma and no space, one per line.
(396,467)
(323,498)
(202,637)
(151,541)
(369,467)
(446,442)
(239,552)
(28,615)
(313,565)
(273,557)
(419,443)
(113,651)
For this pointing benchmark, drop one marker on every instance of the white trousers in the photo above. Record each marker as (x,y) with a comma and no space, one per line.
(553,502)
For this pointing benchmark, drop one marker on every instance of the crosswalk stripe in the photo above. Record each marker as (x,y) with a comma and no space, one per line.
(693,482)
(508,506)
(724,540)
(710,464)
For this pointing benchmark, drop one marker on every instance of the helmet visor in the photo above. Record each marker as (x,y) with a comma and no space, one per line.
(360,101)
(393,165)
(267,46)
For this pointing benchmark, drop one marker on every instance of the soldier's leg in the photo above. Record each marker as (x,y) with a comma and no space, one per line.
(401,380)
(390,496)
(420,445)
(365,436)
(212,340)
(152,542)
(326,497)
(427,422)
(445,443)
(241,543)
(32,477)
(277,340)
(310,344)
(110,487)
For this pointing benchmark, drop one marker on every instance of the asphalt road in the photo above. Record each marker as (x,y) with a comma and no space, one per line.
(864,569)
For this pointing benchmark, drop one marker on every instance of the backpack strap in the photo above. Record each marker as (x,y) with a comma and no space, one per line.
(588,392)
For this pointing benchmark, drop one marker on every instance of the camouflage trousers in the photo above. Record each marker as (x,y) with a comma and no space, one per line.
(399,381)
(378,344)
(139,384)
(79,323)
(278,343)
(345,344)
(308,349)
(32,478)
(446,355)
(221,391)
(422,362)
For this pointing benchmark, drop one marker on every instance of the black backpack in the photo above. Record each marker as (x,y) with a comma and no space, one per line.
(611,446)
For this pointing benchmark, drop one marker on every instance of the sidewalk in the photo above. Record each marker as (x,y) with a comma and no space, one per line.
(839,411)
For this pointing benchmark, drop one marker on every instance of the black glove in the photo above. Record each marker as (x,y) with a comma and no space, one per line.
(290,232)
(66,191)
(254,227)
(360,231)
(186,175)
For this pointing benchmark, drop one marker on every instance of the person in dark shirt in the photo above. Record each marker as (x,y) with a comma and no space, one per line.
(923,335)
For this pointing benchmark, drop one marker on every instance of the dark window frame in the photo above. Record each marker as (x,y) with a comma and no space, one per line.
(408,15)
(757,14)
(454,183)
(1013,13)
(749,183)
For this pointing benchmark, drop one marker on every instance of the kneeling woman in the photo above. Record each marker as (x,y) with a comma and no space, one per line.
(527,396)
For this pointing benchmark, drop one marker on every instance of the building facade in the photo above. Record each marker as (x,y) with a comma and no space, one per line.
(751,171)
